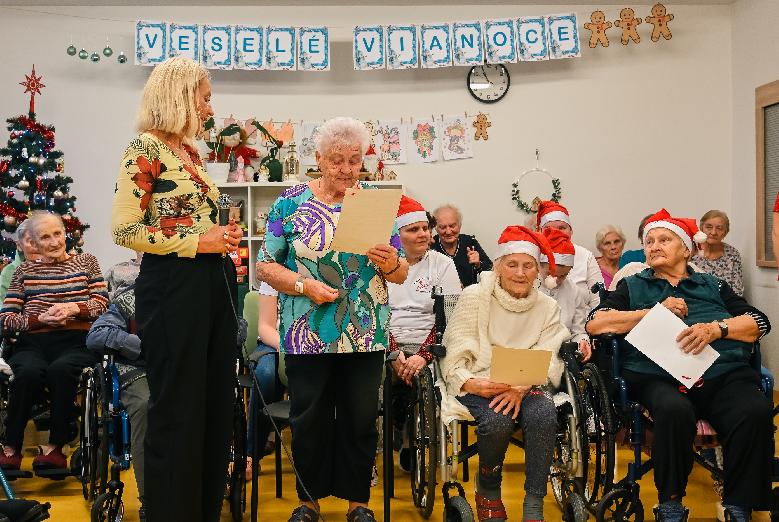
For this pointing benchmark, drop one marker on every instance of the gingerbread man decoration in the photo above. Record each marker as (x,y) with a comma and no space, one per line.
(481,123)
(660,20)
(598,26)
(628,22)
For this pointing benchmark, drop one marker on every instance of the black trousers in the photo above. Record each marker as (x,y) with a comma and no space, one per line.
(188,331)
(334,402)
(736,408)
(52,361)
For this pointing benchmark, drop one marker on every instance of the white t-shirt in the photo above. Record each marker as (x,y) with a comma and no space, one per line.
(411,303)
(585,273)
(574,307)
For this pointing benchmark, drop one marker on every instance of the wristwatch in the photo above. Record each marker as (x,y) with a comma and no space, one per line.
(299,285)
(723,329)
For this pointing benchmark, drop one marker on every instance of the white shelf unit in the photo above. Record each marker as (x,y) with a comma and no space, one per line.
(260,195)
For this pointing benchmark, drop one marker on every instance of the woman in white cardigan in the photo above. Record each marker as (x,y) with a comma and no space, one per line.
(505,309)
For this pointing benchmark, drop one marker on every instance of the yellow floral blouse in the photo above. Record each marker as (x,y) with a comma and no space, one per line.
(161,205)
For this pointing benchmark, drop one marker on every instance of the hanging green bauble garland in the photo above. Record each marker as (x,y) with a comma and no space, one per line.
(532,207)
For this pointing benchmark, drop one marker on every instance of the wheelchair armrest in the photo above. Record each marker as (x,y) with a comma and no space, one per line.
(569,353)
(438,350)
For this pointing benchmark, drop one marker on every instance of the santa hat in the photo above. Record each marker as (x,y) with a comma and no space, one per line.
(685,228)
(561,245)
(410,211)
(517,239)
(551,211)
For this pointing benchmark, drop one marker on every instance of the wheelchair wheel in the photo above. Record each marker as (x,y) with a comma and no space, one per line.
(458,510)
(620,505)
(775,504)
(599,427)
(570,448)
(423,440)
(575,509)
(94,435)
(107,508)
(237,477)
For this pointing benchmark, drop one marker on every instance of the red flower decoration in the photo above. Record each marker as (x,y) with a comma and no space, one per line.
(168,225)
(148,173)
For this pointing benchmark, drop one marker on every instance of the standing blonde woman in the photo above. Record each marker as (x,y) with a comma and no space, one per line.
(165,206)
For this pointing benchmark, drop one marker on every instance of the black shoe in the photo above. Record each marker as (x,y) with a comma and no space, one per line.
(24,510)
(304,514)
(360,514)
(660,518)
(142,512)
(404,459)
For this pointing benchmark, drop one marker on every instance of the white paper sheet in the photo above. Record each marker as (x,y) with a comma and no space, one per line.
(655,336)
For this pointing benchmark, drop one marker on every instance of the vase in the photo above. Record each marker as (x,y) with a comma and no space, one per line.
(218,171)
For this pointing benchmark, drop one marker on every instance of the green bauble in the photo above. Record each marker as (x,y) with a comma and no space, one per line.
(107,51)
(121,58)
(83,54)
(95,57)
(71,50)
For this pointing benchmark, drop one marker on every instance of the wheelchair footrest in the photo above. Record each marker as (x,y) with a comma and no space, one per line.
(54,474)
(13,474)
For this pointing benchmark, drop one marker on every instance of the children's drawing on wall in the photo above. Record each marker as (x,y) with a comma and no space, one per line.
(425,142)
(456,139)
(389,142)
(307,142)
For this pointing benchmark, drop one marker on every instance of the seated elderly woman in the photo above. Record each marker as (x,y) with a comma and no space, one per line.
(610,241)
(52,305)
(412,323)
(728,395)
(505,309)
(717,257)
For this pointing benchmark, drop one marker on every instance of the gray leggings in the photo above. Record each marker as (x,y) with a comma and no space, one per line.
(136,398)
(537,419)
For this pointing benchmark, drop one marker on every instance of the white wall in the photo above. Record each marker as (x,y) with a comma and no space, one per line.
(627,130)
(755,49)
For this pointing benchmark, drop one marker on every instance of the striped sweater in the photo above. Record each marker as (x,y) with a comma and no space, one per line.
(35,287)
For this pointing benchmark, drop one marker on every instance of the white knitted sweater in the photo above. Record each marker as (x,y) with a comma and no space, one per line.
(467,340)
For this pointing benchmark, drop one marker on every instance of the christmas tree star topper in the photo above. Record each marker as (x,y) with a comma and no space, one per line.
(33,85)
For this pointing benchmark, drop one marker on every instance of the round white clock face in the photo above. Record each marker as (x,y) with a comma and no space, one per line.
(488,83)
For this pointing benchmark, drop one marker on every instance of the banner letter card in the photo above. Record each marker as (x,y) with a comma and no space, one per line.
(184,40)
(313,49)
(280,48)
(249,48)
(402,47)
(563,36)
(151,42)
(368,48)
(532,39)
(436,45)
(467,43)
(500,41)
(217,46)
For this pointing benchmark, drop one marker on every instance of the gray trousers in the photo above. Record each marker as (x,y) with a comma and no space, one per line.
(136,399)
(538,420)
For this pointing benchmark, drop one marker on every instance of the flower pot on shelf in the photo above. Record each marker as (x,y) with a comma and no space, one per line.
(218,171)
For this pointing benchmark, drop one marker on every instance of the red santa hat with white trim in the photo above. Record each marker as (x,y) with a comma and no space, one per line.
(562,248)
(551,211)
(410,211)
(685,228)
(517,239)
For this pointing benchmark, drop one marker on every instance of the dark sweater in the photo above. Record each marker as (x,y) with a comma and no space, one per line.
(466,271)
(708,299)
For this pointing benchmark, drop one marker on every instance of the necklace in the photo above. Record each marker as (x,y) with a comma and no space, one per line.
(456,248)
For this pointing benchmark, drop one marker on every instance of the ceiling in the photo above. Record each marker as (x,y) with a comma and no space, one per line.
(363,3)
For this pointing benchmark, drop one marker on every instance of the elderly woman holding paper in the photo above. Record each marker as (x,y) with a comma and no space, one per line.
(334,314)
(728,394)
(505,309)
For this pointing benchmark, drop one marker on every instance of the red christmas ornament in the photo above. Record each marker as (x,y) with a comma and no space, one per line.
(33,85)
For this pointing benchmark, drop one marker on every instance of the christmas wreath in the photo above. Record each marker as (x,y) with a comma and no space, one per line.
(533,206)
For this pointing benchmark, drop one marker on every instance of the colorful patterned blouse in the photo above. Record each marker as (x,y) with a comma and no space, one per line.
(299,233)
(161,205)
(727,267)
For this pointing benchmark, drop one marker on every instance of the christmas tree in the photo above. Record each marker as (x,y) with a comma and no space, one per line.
(31,177)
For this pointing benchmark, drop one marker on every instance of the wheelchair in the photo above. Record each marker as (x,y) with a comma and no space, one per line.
(105,437)
(236,472)
(620,500)
(437,448)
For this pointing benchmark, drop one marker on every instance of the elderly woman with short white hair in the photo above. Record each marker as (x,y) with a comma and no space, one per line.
(51,304)
(505,309)
(334,317)
(610,242)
